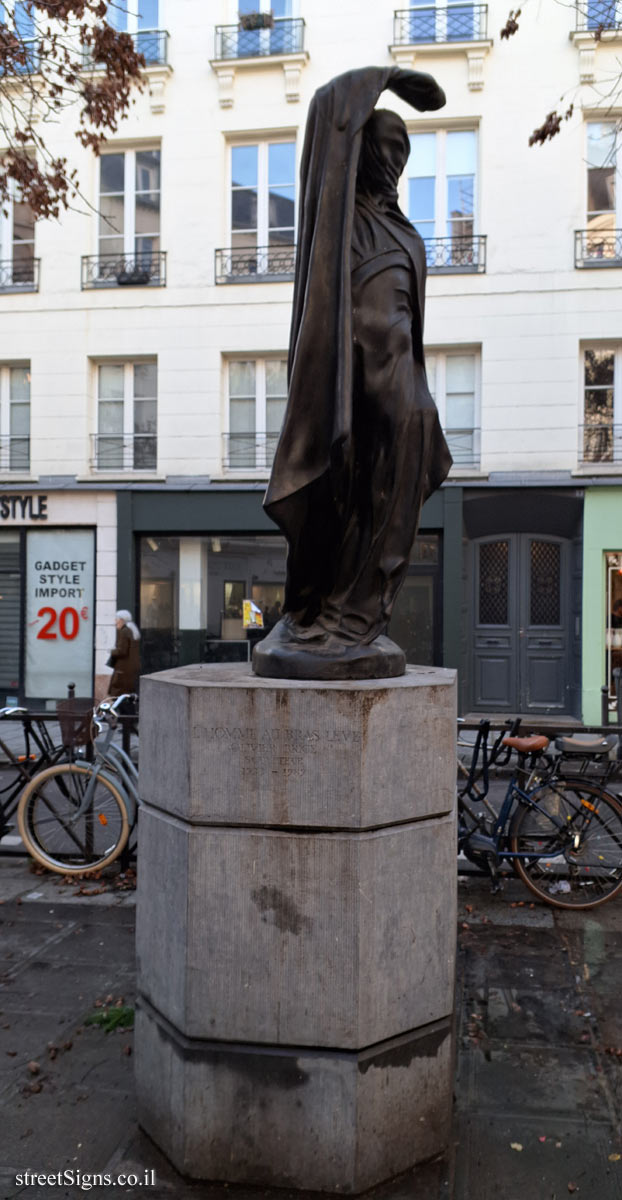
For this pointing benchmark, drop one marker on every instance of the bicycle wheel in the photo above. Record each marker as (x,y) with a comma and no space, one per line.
(59,839)
(572,842)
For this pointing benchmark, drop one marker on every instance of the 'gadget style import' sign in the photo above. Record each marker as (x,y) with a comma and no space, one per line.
(60,574)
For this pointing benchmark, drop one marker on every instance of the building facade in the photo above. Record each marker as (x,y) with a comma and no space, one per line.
(143,347)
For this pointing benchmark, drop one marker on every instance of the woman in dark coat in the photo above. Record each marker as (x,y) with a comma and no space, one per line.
(361,447)
(125,658)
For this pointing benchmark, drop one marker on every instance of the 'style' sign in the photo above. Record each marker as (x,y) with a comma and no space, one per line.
(60,572)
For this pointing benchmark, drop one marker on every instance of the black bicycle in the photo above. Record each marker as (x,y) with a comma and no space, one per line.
(36,752)
(561,831)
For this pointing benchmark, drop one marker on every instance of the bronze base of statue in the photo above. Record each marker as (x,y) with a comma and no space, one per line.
(291,653)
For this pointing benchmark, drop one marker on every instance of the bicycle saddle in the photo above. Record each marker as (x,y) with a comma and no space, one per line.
(585,745)
(527,745)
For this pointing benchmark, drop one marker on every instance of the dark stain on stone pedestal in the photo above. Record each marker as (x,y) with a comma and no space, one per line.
(285,915)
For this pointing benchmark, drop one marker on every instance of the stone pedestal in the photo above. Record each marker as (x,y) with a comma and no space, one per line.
(296,924)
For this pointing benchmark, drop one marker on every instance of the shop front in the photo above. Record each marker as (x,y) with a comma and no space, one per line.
(209,577)
(52,571)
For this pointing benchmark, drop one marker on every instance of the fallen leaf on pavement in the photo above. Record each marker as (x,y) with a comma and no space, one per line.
(33,1067)
(515,1146)
(573,1187)
(615,1157)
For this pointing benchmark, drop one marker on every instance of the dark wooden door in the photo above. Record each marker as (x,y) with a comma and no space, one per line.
(521,642)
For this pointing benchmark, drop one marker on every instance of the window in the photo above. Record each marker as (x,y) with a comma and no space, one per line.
(602,14)
(441,195)
(126,417)
(603,216)
(263,208)
(17,245)
(15,418)
(602,404)
(141,19)
(129,222)
(443,22)
(257,397)
(276,39)
(453,379)
(19,16)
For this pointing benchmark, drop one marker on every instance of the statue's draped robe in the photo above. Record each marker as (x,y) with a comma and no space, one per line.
(361,446)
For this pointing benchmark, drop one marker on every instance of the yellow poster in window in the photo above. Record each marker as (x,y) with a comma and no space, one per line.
(252,616)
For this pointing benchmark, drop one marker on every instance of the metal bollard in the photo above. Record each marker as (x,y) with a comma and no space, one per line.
(604,705)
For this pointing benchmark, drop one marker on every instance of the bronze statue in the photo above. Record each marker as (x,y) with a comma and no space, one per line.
(361,447)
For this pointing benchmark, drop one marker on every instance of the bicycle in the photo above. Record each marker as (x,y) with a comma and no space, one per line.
(562,833)
(76,818)
(39,752)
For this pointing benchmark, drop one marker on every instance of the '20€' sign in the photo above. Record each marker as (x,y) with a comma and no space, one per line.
(68,623)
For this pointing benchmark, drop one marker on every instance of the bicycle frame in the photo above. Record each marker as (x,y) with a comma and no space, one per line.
(24,766)
(123,775)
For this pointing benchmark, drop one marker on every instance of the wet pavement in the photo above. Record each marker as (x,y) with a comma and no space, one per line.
(539,1049)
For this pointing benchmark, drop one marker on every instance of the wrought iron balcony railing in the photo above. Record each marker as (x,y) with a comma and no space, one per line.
(124,270)
(14,453)
(440,23)
(248,451)
(459,255)
(258,264)
(19,275)
(151,43)
(600,442)
(286,36)
(28,53)
(124,452)
(598,248)
(598,16)
(464,447)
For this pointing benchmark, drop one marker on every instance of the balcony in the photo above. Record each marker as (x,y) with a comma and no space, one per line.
(151,43)
(125,270)
(464,447)
(598,248)
(119,452)
(285,37)
(249,451)
(19,275)
(600,442)
(598,16)
(459,255)
(14,453)
(260,264)
(450,23)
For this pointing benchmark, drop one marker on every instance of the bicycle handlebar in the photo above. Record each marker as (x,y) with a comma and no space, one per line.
(12,712)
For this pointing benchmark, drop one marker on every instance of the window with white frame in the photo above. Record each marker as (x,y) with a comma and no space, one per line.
(441,180)
(454,382)
(276,37)
(602,404)
(19,15)
(15,418)
(257,394)
(127,402)
(263,192)
(600,14)
(604,200)
(140,18)
(17,242)
(444,21)
(129,207)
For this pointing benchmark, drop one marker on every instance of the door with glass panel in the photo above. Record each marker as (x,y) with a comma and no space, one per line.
(129,216)
(257,399)
(140,18)
(275,38)
(521,629)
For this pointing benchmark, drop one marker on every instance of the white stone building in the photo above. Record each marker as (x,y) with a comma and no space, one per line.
(143,342)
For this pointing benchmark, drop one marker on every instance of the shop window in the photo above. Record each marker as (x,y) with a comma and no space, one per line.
(454,382)
(601,433)
(262,213)
(14,418)
(257,394)
(441,202)
(192,591)
(129,217)
(126,436)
